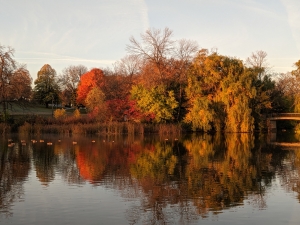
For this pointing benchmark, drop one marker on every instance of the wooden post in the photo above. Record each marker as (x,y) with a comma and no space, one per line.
(272,125)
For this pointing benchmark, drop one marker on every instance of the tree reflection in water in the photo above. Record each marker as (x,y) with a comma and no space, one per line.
(212,172)
(14,169)
(172,179)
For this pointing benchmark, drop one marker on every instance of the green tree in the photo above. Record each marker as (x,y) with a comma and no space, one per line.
(200,115)
(184,53)
(157,100)
(267,97)
(46,88)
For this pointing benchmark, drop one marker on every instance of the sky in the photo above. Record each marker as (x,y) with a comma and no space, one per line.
(94,33)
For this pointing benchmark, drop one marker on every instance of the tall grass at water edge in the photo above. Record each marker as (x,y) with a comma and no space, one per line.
(110,128)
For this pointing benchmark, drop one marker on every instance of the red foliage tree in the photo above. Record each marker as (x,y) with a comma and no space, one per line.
(134,114)
(117,108)
(89,80)
(116,90)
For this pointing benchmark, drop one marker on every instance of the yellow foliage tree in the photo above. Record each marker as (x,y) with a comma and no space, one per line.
(95,102)
(220,90)
(157,100)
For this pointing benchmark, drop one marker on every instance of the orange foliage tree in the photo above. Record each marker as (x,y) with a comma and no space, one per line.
(88,81)
(117,90)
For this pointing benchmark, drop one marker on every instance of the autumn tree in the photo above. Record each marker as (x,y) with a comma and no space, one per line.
(68,81)
(7,67)
(164,62)
(287,87)
(119,85)
(156,102)
(265,87)
(237,91)
(115,87)
(258,61)
(155,49)
(46,88)
(128,66)
(95,103)
(289,84)
(296,72)
(117,91)
(15,80)
(88,81)
(220,90)
(203,83)
(184,53)
(21,84)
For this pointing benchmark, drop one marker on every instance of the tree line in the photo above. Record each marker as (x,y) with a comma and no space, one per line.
(162,80)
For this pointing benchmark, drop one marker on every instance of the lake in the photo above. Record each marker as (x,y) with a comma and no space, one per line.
(192,179)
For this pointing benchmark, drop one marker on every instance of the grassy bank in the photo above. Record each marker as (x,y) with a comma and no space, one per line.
(36,119)
(28,108)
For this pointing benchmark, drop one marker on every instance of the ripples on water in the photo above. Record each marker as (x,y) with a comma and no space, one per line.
(235,179)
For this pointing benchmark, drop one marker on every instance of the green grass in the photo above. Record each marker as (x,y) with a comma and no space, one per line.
(16,109)
(28,108)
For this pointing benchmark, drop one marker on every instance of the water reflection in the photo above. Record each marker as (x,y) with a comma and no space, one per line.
(185,179)
(14,169)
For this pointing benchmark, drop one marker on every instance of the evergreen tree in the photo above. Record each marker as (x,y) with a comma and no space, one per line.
(46,89)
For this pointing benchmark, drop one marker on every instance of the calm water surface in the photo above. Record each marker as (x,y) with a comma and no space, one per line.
(198,179)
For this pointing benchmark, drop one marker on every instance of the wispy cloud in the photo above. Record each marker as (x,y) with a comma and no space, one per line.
(45,56)
(144,14)
(71,60)
(293,9)
(93,33)
(85,27)
(257,7)
(35,60)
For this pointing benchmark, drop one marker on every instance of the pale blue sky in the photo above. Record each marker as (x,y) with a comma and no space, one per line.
(94,33)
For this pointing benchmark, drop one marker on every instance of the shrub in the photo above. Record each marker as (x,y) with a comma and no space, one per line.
(59,113)
(26,128)
(76,114)
(4,128)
